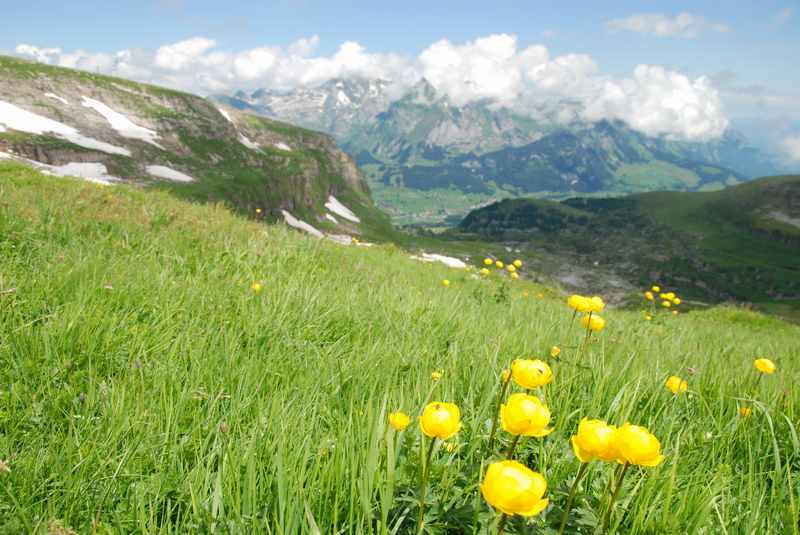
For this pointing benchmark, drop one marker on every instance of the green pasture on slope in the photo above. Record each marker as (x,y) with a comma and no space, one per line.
(144,387)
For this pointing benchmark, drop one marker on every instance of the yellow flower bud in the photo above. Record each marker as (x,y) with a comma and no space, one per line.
(666,304)
(648,317)
(670,296)
(744,412)
(593,322)
(484,272)
(649,296)
(450,447)
(515,276)
(579,303)
(440,420)
(676,385)
(399,420)
(656,289)
(505,375)
(525,415)
(435,376)
(499,264)
(555,351)
(596,304)
(517,264)
(511,268)
(514,489)
(487,261)
(445,282)
(258,210)
(676,301)
(594,440)
(636,445)
(765,366)
(674,312)
(256,287)
(531,373)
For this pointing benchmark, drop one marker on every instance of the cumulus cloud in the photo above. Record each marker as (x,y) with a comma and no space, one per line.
(683,25)
(790,147)
(492,69)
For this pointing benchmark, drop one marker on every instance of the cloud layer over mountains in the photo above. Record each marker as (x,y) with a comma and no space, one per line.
(653,100)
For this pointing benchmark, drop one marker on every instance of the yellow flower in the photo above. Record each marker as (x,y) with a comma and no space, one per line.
(445,282)
(662,296)
(531,373)
(579,303)
(517,264)
(555,351)
(514,489)
(670,296)
(666,304)
(435,376)
(594,440)
(765,366)
(256,287)
(450,447)
(649,296)
(499,264)
(656,289)
(525,415)
(636,445)
(676,301)
(593,322)
(487,261)
(399,420)
(744,412)
(648,317)
(440,420)
(484,272)
(596,304)
(676,385)
(258,210)
(511,268)
(505,375)
(674,312)
(515,276)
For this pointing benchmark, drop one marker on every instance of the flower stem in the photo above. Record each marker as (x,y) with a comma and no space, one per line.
(501,526)
(614,497)
(423,482)
(581,473)
(502,395)
(512,447)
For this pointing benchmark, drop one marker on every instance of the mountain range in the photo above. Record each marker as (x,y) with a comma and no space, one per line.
(418,150)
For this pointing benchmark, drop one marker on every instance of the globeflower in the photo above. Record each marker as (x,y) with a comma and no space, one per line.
(666,304)
(765,366)
(676,385)
(511,268)
(593,322)
(514,489)
(525,415)
(676,301)
(517,263)
(445,282)
(596,304)
(594,440)
(656,289)
(670,296)
(649,296)
(399,420)
(487,261)
(484,272)
(256,287)
(579,303)
(515,276)
(636,445)
(531,373)
(744,412)
(499,264)
(505,375)
(555,351)
(440,420)
(435,376)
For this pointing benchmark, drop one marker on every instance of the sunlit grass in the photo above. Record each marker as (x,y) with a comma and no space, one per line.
(146,386)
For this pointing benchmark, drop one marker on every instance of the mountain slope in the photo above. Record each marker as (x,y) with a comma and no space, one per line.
(418,150)
(740,243)
(114,130)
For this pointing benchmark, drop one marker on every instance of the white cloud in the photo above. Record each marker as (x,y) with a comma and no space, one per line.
(683,25)
(790,147)
(784,15)
(495,69)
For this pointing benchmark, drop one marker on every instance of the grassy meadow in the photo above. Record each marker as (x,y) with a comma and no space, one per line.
(145,386)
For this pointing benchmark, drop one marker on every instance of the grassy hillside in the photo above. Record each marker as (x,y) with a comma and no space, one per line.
(740,243)
(145,387)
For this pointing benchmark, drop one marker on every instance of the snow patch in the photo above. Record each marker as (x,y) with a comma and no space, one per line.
(341,239)
(282,146)
(332,219)
(247,143)
(342,98)
(302,225)
(225,114)
(93,172)
(446,260)
(56,97)
(785,218)
(17,118)
(3,155)
(341,210)
(124,126)
(2,128)
(161,171)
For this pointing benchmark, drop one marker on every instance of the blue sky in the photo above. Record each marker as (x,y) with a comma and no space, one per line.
(748,48)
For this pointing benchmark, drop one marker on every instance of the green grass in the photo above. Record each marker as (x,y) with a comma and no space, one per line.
(145,388)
